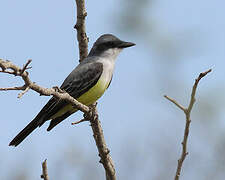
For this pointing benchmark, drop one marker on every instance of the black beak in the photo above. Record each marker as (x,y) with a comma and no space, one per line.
(124,44)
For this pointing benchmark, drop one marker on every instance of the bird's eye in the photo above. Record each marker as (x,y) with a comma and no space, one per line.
(106,45)
(102,47)
(110,44)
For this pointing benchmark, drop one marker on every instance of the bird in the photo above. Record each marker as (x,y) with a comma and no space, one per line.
(86,83)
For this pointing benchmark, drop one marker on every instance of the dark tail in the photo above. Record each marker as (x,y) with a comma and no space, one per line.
(25,132)
(58,120)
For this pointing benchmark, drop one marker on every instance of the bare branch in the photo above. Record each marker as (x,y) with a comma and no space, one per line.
(43,91)
(192,100)
(175,102)
(25,66)
(81,30)
(78,122)
(106,159)
(187,112)
(44,170)
(8,65)
(8,72)
(13,88)
(23,92)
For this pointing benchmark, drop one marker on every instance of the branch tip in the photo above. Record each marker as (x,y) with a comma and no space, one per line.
(187,112)
(78,122)
(175,102)
(44,170)
(23,92)
(25,67)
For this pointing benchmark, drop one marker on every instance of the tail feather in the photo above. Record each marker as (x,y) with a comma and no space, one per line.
(25,132)
(58,120)
(51,108)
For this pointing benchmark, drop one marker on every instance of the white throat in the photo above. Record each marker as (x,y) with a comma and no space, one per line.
(111,53)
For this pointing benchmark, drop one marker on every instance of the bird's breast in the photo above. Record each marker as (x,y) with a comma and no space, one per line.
(99,88)
(95,92)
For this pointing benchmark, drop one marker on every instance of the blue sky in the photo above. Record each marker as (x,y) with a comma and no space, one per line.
(177,40)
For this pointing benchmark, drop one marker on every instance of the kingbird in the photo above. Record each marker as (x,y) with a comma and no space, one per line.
(86,83)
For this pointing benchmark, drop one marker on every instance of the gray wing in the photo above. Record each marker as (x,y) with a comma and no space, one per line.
(82,79)
(79,81)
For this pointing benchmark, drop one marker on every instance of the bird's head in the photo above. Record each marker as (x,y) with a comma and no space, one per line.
(109,44)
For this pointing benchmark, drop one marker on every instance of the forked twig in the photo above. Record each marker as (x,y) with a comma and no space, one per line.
(187,112)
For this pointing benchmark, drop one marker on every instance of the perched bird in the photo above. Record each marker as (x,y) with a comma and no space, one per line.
(86,83)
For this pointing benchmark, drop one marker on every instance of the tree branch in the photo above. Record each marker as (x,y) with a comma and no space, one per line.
(25,67)
(187,112)
(13,88)
(104,155)
(81,30)
(44,170)
(23,92)
(175,102)
(42,91)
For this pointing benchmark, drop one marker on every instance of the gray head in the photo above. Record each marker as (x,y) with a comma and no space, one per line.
(107,42)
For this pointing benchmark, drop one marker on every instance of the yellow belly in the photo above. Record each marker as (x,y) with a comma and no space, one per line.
(94,93)
(87,98)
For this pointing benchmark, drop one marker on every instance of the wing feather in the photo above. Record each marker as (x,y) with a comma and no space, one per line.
(80,80)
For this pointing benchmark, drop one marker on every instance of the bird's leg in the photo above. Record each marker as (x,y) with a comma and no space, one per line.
(93,112)
(90,116)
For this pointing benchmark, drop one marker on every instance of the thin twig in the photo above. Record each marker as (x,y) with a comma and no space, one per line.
(23,92)
(192,100)
(175,102)
(8,72)
(44,170)
(13,88)
(78,122)
(81,29)
(25,66)
(187,112)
